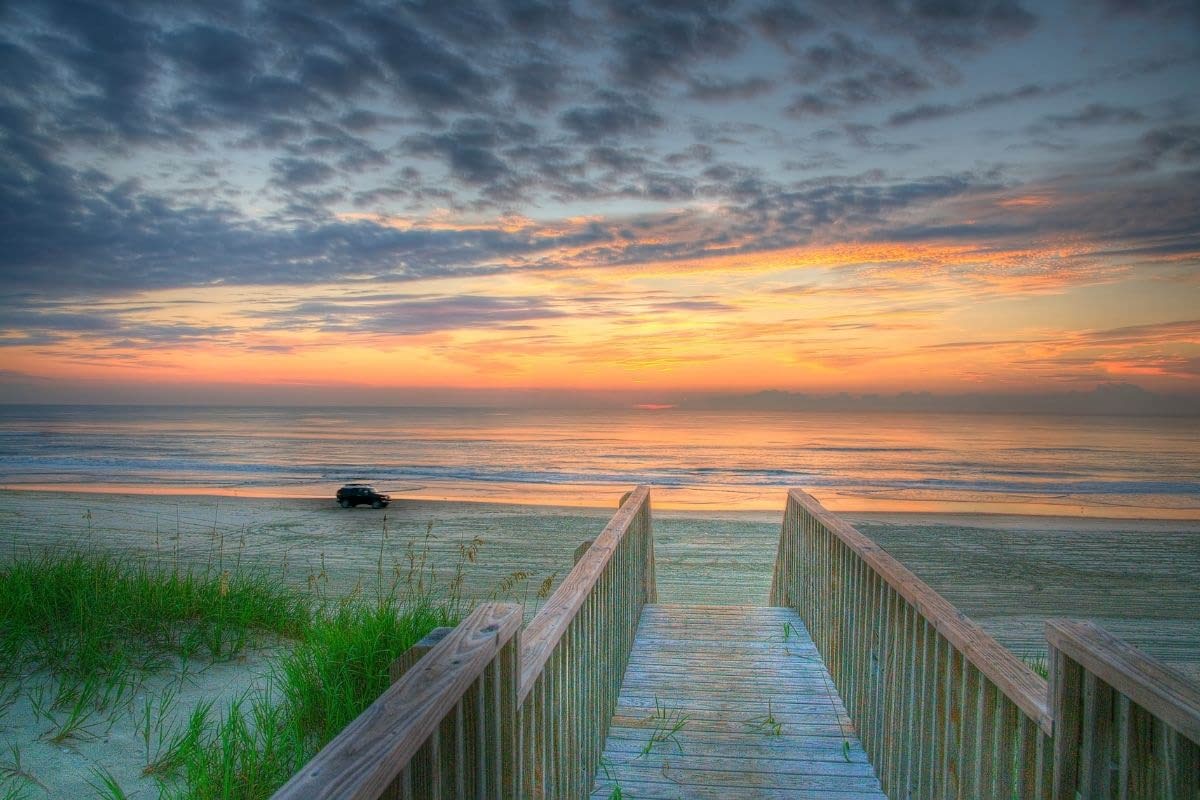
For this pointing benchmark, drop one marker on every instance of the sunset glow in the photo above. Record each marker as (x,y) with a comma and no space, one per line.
(871,204)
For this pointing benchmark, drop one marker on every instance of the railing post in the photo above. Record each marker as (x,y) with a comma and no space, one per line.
(408,659)
(508,746)
(781,575)
(647,538)
(1065,690)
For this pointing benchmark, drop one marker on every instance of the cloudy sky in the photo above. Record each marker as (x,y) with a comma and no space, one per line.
(392,200)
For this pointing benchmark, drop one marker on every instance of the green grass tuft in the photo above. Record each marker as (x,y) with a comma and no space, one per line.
(1036,660)
(82,615)
(97,623)
(341,664)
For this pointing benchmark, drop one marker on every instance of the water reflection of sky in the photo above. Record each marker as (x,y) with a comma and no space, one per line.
(702,458)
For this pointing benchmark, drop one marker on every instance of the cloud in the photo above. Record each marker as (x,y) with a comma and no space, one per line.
(1185,10)
(657,40)
(108,60)
(783,23)
(50,322)
(1175,332)
(353,154)
(854,74)
(614,115)
(1171,143)
(956,25)
(724,89)
(293,173)
(1095,114)
(413,316)
(213,54)
(1106,399)
(538,82)
(423,69)
(471,151)
(239,143)
(928,112)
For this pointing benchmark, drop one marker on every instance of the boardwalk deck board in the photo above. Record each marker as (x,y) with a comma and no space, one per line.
(723,667)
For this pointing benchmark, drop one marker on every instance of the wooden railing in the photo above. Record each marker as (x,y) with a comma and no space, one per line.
(447,728)
(943,710)
(575,653)
(1125,726)
(491,712)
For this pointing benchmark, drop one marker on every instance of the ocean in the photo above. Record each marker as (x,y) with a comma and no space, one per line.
(1092,466)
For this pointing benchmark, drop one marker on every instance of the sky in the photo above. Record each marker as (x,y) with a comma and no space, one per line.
(426,201)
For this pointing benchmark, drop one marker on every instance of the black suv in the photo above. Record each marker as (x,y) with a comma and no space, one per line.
(354,494)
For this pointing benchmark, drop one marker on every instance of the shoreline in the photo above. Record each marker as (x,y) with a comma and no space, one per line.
(705,502)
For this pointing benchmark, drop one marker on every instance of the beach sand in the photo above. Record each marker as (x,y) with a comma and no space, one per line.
(1140,579)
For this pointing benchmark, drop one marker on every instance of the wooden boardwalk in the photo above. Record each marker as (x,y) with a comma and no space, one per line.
(760,716)
(734,701)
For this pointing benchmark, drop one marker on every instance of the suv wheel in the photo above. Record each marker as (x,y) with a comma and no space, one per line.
(377,504)
(344,503)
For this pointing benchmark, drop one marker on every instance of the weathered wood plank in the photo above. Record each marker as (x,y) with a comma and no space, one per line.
(760,715)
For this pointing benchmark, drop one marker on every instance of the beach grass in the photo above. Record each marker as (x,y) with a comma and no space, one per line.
(94,626)
(80,615)
(341,663)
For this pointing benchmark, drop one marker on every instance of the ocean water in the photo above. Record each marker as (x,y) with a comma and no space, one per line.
(1099,466)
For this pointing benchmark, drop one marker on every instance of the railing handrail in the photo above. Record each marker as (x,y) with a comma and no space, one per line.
(542,634)
(1014,678)
(363,760)
(1155,687)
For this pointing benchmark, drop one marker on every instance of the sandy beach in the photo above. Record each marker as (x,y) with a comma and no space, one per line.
(1009,572)
(1140,579)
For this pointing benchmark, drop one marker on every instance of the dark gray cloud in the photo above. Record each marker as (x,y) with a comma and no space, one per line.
(68,232)
(425,71)
(1174,143)
(783,22)
(46,322)
(704,87)
(1186,10)
(349,153)
(1158,212)
(613,115)
(1096,114)
(139,144)
(929,112)
(938,25)
(295,173)
(108,58)
(538,82)
(472,150)
(213,54)
(412,316)
(661,38)
(840,54)
(851,73)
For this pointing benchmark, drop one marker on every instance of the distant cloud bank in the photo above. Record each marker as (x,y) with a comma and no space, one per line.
(1117,399)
